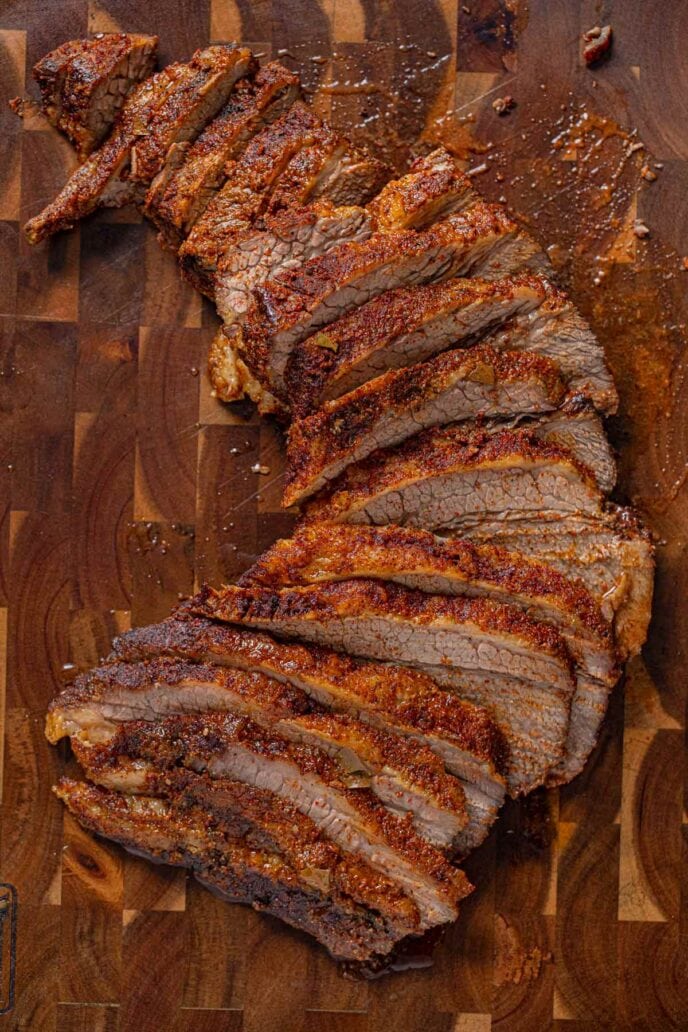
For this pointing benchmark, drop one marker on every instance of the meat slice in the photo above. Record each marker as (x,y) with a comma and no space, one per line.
(399,328)
(579,429)
(297,303)
(396,699)
(610,552)
(227,746)
(354,178)
(433,188)
(85,83)
(232,380)
(407,779)
(492,654)
(279,243)
(555,329)
(49,74)
(246,192)
(100,181)
(418,559)
(447,477)
(176,203)
(164,111)
(350,909)
(457,385)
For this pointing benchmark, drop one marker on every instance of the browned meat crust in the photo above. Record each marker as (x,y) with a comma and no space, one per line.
(253,104)
(50,72)
(95,83)
(474,473)
(245,194)
(433,188)
(323,552)
(457,385)
(398,328)
(298,302)
(175,103)
(352,910)
(344,601)
(610,552)
(396,698)
(406,778)
(225,745)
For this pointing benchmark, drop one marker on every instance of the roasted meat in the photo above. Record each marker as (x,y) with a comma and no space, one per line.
(84,83)
(458,385)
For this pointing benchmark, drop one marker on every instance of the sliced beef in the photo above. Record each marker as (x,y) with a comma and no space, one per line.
(555,329)
(279,243)
(492,654)
(176,203)
(433,188)
(396,699)
(184,113)
(417,559)
(354,178)
(457,385)
(407,779)
(227,746)
(445,477)
(610,552)
(297,303)
(164,111)
(250,180)
(347,907)
(579,429)
(399,328)
(85,83)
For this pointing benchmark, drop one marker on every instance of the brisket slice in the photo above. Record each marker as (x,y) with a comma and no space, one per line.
(295,304)
(249,183)
(433,188)
(279,243)
(556,330)
(575,427)
(456,385)
(165,110)
(610,552)
(176,204)
(330,168)
(347,907)
(184,113)
(100,181)
(417,559)
(228,746)
(85,83)
(354,179)
(492,654)
(446,476)
(232,380)
(407,779)
(399,328)
(396,699)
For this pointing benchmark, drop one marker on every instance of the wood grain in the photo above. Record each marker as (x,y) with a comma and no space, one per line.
(123,483)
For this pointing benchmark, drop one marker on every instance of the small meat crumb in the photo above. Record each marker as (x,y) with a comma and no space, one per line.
(503,105)
(640,229)
(647,173)
(17,105)
(597,43)
(263,470)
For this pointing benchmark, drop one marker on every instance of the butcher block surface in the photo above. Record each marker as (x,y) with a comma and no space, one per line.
(124,483)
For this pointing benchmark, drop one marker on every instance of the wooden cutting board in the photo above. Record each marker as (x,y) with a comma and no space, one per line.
(123,483)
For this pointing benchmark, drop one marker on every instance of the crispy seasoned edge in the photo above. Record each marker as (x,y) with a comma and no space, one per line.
(408,696)
(342,424)
(323,357)
(347,599)
(439,451)
(190,807)
(317,550)
(185,740)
